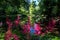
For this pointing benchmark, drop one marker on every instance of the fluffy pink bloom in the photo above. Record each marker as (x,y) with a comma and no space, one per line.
(15,37)
(26,28)
(8,35)
(37,28)
(17,20)
(9,23)
(51,25)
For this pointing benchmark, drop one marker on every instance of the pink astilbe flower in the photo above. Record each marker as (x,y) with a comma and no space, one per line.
(9,23)
(26,28)
(37,28)
(28,24)
(17,20)
(15,37)
(51,25)
(8,35)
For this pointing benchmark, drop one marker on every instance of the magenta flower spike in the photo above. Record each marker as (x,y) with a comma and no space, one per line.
(15,37)
(9,23)
(37,28)
(27,26)
(53,22)
(51,25)
(25,29)
(8,35)
(17,20)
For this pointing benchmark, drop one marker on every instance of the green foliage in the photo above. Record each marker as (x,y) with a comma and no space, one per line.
(45,10)
(49,8)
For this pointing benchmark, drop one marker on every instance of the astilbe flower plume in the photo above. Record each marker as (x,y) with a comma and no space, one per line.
(26,28)
(51,25)
(37,28)
(9,34)
(9,23)
(17,20)
(15,37)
